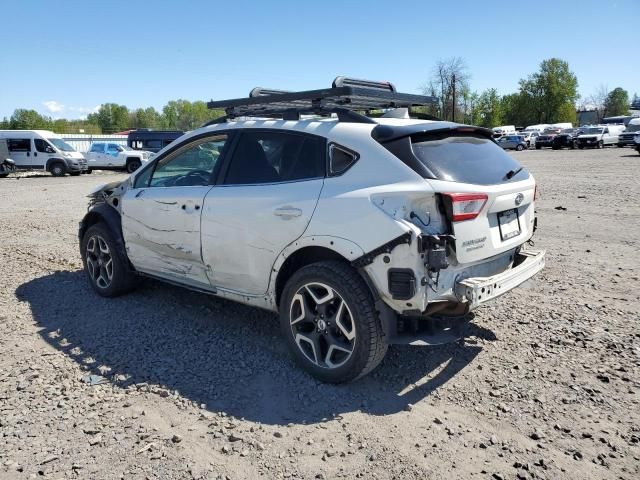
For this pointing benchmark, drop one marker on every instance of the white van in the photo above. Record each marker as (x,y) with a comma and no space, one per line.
(599,136)
(540,127)
(41,149)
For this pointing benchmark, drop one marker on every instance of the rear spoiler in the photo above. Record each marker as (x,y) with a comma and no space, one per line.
(389,133)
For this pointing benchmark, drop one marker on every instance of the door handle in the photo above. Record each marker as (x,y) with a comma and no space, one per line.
(287,212)
(35,154)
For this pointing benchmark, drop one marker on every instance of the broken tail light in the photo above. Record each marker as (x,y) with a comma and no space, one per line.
(464,206)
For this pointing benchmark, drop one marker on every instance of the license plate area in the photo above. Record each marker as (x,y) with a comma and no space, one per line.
(509,224)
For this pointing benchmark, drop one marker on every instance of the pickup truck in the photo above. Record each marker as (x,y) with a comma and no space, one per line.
(112,156)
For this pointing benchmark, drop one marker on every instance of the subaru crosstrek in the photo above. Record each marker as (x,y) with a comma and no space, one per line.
(361,232)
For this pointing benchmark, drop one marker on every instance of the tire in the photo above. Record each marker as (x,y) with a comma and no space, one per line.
(133,164)
(107,270)
(581,147)
(573,145)
(620,145)
(75,174)
(88,172)
(519,147)
(555,147)
(600,144)
(58,169)
(4,175)
(538,147)
(332,303)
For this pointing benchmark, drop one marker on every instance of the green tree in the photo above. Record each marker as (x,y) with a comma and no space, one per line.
(145,118)
(186,115)
(110,117)
(550,90)
(23,119)
(4,124)
(488,110)
(617,102)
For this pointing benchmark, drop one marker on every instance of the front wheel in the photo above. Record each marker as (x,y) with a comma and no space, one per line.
(600,144)
(520,148)
(330,324)
(58,169)
(106,268)
(538,147)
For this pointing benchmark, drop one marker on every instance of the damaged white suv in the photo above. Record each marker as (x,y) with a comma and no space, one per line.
(360,231)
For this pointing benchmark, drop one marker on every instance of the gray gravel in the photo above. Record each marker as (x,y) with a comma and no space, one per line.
(196,387)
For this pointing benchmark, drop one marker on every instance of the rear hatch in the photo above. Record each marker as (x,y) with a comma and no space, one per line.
(486,195)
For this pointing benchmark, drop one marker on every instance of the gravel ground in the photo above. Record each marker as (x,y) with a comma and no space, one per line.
(196,387)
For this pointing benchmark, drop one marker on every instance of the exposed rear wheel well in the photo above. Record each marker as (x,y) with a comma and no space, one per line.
(297,260)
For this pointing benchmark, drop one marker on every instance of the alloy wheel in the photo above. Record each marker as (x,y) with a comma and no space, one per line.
(99,262)
(322,325)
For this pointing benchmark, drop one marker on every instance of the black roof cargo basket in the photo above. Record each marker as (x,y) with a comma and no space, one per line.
(345,97)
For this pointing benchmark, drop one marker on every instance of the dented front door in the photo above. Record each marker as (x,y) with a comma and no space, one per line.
(161,228)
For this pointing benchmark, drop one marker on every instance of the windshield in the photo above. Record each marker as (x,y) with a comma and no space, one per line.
(61,144)
(633,127)
(593,130)
(467,159)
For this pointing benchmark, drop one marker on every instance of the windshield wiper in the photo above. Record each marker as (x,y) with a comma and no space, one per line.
(512,173)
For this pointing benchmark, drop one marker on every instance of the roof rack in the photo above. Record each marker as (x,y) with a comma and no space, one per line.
(345,97)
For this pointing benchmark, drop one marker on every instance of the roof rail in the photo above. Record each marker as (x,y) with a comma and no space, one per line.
(345,96)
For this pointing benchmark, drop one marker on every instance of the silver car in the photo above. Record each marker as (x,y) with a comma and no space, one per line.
(513,142)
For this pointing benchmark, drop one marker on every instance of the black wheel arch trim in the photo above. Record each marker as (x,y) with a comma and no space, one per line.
(104,213)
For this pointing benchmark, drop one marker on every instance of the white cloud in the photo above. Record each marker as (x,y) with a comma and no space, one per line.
(53,106)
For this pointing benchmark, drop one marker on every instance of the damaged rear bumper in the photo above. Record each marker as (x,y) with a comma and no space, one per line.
(478,290)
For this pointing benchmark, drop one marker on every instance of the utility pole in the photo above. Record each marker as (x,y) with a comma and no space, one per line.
(453,109)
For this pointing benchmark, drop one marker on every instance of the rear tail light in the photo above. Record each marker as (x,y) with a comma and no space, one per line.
(464,206)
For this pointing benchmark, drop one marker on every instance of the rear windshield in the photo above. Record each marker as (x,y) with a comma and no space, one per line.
(468,159)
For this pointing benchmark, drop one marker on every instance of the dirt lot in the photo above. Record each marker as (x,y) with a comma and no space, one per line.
(548,386)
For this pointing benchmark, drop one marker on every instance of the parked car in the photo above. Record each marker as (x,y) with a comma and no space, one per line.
(111,156)
(41,149)
(546,138)
(513,142)
(360,232)
(626,138)
(567,138)
(636,140)
(7,165)
(151,140)
(599,136)
(530,137)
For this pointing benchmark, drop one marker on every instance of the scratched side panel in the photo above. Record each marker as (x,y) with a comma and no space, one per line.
(161,227)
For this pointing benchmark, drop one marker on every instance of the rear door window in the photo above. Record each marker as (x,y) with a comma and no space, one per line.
(467,159)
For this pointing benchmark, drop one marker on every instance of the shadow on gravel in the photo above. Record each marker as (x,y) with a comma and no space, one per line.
(225,355)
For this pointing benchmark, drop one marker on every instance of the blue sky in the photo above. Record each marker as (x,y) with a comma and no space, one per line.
(64,58)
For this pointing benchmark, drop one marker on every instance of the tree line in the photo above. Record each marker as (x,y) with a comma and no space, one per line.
(111,118)
(549,95)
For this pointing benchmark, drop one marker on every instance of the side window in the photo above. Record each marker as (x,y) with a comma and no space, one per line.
(112,147)
(153,144)
(42,145)
(190,166)
(340,159)
(19,145)
(270,157)
(97,148)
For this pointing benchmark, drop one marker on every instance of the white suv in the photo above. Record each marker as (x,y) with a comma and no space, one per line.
(361,232)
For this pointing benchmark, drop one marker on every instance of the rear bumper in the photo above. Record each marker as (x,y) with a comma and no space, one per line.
(478,290)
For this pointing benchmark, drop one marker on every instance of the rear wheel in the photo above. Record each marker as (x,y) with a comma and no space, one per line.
(58,169)
(133,164)
(107,270)
(329,321)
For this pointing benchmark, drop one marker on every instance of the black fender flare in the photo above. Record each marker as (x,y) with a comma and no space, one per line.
(104,213)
